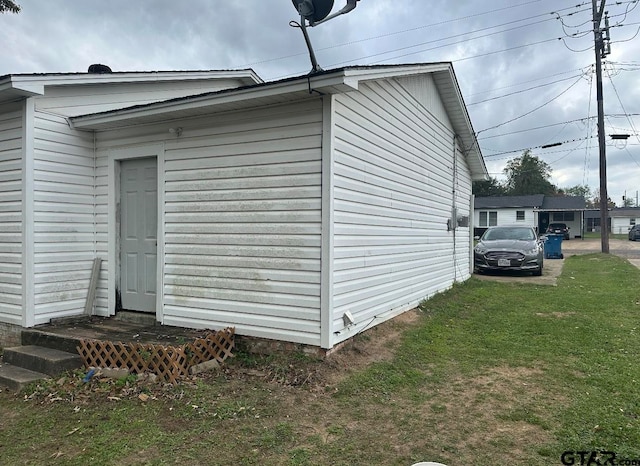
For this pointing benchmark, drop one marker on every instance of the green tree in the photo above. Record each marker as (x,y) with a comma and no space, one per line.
(528,174)
(578,190)
(628,201)
(595,202)
(9,5)
(491,187)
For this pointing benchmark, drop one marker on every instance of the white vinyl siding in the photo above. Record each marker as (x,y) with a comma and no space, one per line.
(11,147)
(63,206)
(463,209)
(242,220)
(393,197)
(507,216)
(92,98)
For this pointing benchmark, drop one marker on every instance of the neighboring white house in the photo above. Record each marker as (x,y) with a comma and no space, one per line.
(621,219)
(505,210)
(302,210)
(536,211)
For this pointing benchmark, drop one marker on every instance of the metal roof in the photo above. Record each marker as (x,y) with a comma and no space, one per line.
(564,203)
(505,202)
(630,212)
(535,201)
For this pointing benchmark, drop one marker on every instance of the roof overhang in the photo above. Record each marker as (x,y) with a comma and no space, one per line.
(16,86)
(298,89)
(13,89)
(214,102)
(559,209)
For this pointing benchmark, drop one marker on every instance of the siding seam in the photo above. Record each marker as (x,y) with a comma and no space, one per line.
(28,311)
(327,242)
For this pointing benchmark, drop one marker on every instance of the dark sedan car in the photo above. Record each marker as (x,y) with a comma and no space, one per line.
(634,233)
(509,248)
(559,229)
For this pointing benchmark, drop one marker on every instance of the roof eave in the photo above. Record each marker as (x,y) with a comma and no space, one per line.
(14,89)
(461,121)
(312,85)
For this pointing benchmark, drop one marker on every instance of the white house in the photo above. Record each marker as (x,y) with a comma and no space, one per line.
(303,210)
(536,211)
(621,219)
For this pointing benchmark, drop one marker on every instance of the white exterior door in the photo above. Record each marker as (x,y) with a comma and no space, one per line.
(138,234)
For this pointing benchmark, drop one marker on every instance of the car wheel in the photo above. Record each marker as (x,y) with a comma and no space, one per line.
(537,272)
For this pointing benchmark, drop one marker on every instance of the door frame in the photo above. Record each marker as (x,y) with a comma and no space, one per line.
(113,242)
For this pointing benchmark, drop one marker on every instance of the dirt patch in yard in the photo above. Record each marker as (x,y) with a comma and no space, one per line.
(376,344)
(504,407)
(557,315)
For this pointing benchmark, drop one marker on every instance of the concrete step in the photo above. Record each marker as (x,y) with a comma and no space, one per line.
(141,318)
(16,378)
(40,359)
(36,337)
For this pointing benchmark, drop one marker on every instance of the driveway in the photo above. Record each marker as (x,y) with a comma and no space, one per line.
(629,250)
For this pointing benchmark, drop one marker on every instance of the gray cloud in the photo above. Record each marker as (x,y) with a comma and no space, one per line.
(490,60)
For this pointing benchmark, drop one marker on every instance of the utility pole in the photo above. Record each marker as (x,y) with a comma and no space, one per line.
(601,52)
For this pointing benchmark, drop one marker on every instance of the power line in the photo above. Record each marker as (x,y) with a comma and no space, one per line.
(631,157)
(587,158)
(482,55)
(472,56)
(445,38)
(403,31)
(543,146)
(587,119)
(367,57)
(622,105)
(535,128)
(522,90)
(534,110)
(526,82)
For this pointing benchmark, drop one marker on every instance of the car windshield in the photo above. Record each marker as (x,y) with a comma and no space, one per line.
(518,234)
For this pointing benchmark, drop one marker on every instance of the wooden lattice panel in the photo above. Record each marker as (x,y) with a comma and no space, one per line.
(216,346)
(168,362)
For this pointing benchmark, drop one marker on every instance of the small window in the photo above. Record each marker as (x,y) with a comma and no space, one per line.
(488,219)
(632,221)
(520,215)
(493,219)
(563,216)
(483,219)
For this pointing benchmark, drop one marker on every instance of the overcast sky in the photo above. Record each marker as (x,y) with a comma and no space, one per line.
(521,65)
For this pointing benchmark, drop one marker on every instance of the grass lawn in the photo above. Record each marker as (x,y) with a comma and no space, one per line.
(485,374)
(592,235)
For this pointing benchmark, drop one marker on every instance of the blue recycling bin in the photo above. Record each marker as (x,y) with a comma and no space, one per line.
(553,247)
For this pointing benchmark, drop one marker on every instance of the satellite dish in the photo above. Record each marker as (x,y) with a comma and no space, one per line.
(313,10)
(316,12)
